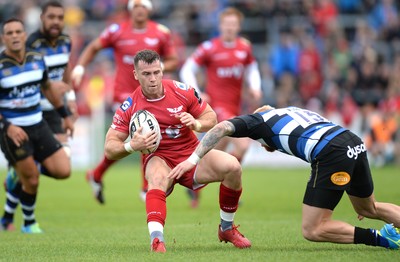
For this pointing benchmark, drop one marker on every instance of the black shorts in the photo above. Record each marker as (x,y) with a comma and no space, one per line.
(41,144)
(341,166)
(54,121)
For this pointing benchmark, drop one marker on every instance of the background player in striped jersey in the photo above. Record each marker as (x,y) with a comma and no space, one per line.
(338,161)
(178,110)
(229,65)
(26,139)
(126,39)
(55,47)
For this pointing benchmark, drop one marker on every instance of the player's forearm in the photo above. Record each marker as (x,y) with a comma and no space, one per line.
(206,121)
(114,149)
(212,137)
(89,52)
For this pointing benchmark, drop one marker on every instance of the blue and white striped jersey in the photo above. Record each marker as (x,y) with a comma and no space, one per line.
(56,57)
(20,88)
(291,130)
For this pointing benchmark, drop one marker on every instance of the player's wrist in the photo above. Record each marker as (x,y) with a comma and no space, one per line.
(194,159)
(197,126)
(70,95)
(63,111)
(128,147)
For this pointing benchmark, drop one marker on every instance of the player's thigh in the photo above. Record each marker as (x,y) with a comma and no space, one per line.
(363,206)
(215,166)
(313,216)
(156,171)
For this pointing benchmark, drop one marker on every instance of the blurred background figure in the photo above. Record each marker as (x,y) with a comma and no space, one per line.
(231,69)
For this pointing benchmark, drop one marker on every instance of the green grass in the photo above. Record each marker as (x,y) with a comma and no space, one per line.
(78,229)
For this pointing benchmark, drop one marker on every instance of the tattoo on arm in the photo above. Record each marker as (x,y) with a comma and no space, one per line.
(213,136)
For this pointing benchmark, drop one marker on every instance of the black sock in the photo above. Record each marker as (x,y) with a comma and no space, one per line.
(28,207)
(369,237)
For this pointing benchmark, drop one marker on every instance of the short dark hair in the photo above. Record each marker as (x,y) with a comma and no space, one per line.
(13,19)
(51,4)
(147,56)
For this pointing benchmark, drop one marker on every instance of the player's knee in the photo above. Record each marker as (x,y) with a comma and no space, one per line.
(310,233)
(62,172)
(235,169)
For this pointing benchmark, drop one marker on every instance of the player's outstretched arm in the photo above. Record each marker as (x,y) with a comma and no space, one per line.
(209,141)
(84,59)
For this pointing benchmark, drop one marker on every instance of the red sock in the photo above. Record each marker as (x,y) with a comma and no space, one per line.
(156,206)
(101,168)
(145,184)
(228,199)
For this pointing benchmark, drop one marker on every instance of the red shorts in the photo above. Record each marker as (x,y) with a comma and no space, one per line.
(172,160)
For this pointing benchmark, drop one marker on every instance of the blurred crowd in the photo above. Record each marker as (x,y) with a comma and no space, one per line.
(338,57)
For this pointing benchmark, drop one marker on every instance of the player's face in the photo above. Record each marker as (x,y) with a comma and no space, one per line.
(53,21)
(229,27)
(14,36)
(149,77)
(139,13)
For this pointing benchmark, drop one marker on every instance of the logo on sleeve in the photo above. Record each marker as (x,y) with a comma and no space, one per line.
(126,104)
(340,178)
(181,85)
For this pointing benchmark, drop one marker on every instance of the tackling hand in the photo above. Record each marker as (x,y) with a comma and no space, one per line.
(180,169)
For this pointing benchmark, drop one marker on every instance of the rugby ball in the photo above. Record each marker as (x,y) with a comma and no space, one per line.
(148,121)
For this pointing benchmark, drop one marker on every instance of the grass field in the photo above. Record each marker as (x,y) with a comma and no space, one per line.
(78,229)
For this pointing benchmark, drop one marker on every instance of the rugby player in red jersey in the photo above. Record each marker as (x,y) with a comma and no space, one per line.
(126,39)
(179,110)
(229,63)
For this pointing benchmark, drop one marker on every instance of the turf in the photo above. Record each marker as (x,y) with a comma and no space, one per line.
(78,229)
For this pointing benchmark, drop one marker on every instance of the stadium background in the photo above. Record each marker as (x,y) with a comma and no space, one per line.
(337,57)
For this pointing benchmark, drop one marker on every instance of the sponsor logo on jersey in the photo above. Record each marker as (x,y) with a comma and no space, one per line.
(240,54)
(126,104)
(24,91)
(175,110)
(151,41)
(340,178)
(173,131)
(230,72)
(353,152)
